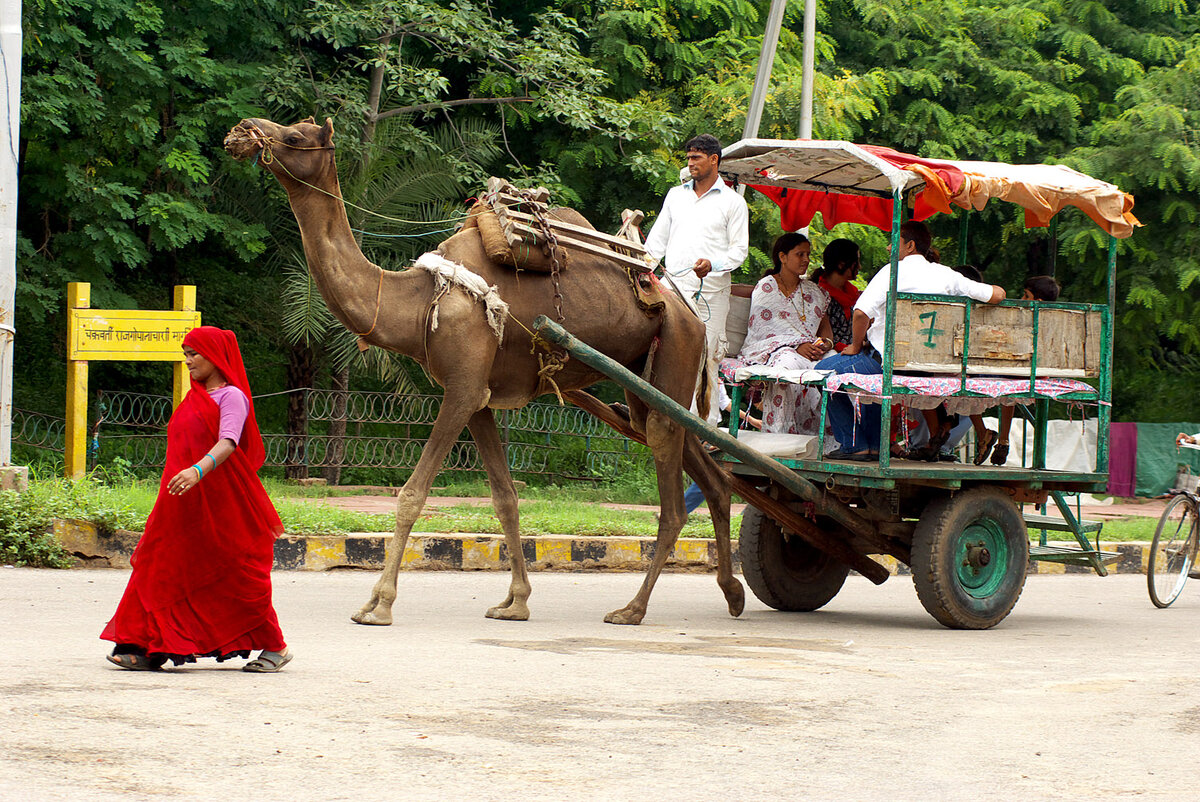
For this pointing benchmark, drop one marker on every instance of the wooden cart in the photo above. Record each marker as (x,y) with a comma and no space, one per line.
(960,529)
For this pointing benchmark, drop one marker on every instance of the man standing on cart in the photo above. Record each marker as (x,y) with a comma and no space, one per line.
(703,233)
(859,434)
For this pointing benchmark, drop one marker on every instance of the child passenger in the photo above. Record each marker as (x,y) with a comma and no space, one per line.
(1036,288)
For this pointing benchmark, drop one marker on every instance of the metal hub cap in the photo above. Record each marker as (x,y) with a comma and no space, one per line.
(981,558)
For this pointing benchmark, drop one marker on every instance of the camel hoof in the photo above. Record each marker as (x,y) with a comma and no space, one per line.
(735,596)
(372,618)
(509,613)
(624,616)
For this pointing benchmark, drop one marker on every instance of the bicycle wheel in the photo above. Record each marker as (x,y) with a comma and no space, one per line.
(1172,551)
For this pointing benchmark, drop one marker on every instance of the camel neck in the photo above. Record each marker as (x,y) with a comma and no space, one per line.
(348,281)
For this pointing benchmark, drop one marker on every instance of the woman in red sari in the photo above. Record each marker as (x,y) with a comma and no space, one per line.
(201,582)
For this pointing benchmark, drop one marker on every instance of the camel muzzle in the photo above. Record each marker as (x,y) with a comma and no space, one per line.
(244,140)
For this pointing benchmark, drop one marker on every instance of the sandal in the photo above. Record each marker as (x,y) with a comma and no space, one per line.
(269,662)
(926,453)
(1000,454)
(136,662)
(984,447)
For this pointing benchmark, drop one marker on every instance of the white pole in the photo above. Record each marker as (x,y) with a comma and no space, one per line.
(806,87)
(766,59)
(10,45)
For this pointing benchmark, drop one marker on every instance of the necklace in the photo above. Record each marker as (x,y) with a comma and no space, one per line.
(791,301)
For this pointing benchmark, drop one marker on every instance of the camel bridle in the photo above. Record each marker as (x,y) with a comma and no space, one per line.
(266,142)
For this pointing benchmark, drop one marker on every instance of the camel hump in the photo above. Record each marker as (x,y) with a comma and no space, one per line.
(565,214)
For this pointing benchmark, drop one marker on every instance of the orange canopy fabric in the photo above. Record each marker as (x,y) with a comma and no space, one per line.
(1042,190)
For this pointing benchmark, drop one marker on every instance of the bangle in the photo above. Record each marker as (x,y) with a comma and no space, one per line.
(199,470)
(211,457)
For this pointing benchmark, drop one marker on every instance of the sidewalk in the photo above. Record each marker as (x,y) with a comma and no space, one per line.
(488,552)
(1119,508)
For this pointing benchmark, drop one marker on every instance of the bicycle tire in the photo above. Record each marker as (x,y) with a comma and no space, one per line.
(1172,551)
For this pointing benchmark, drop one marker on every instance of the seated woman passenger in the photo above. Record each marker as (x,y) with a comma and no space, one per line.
(788,329)
(839,267)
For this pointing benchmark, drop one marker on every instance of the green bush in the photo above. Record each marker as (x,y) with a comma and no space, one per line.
(25,518)
(24,539)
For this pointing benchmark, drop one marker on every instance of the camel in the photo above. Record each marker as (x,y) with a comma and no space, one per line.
(485,359)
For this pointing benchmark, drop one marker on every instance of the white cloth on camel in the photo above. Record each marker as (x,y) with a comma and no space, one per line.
(447,274)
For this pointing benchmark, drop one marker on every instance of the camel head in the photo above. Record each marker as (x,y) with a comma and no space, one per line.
(300,153)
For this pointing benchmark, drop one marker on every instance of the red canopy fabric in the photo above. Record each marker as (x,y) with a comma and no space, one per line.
(798,207)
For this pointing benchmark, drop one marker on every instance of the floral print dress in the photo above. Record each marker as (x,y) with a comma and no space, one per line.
(778,323)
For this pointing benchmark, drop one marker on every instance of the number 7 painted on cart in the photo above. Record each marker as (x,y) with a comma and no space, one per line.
(930,332)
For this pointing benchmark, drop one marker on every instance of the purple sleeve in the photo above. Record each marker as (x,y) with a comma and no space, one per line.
(234,408)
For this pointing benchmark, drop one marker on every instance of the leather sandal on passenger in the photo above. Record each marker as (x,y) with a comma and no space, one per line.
(1000,454)
(984,446)
(136,662)
(269,662)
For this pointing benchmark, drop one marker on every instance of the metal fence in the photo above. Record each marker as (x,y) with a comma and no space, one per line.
(383,430)
(39,431)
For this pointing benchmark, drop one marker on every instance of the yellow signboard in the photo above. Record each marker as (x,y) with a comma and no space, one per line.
(134,334)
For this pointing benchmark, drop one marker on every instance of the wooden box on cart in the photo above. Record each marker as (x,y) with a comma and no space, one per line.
(929,338)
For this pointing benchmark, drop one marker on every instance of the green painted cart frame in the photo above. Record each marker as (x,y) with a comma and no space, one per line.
(960,528)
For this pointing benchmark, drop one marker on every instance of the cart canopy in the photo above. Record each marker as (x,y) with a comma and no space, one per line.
(848,183)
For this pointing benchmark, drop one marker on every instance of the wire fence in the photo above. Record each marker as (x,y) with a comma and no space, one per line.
(382,430)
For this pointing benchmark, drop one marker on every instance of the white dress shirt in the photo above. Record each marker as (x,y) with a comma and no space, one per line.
(714,226)
(916,274)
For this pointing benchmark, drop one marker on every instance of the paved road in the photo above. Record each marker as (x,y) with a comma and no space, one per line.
(1085,692)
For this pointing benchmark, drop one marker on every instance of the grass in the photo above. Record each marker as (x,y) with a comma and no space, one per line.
(571,518)
(555,510)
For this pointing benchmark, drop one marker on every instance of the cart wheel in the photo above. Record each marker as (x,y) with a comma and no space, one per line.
(969,555)
(1172,551)
(782,569)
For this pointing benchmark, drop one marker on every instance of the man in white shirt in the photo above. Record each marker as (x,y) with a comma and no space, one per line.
(859,439)
(703,231)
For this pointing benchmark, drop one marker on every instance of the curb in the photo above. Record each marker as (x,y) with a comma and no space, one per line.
(468,552)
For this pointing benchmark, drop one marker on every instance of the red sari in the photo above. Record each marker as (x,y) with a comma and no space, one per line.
(201,582)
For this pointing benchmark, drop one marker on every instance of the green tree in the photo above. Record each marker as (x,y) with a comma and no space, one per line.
(124,106)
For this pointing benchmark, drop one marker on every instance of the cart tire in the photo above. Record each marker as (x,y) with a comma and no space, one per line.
(969,557)
(782,569)
(1172,551)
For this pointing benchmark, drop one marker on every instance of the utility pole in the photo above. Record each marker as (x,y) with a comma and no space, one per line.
(806,88)
(10,60)
(766,59)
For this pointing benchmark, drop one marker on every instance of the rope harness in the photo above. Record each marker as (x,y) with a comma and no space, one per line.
(551,360)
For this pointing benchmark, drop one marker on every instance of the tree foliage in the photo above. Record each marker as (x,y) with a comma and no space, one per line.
(126,102)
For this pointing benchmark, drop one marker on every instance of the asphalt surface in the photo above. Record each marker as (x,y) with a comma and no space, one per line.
(1085,692)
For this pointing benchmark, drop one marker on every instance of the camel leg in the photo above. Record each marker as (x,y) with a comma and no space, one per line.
(451,420)
(700,465)
(504,497)
(665,439)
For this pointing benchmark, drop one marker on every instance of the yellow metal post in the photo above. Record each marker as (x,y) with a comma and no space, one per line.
(184,301)
(79,296)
